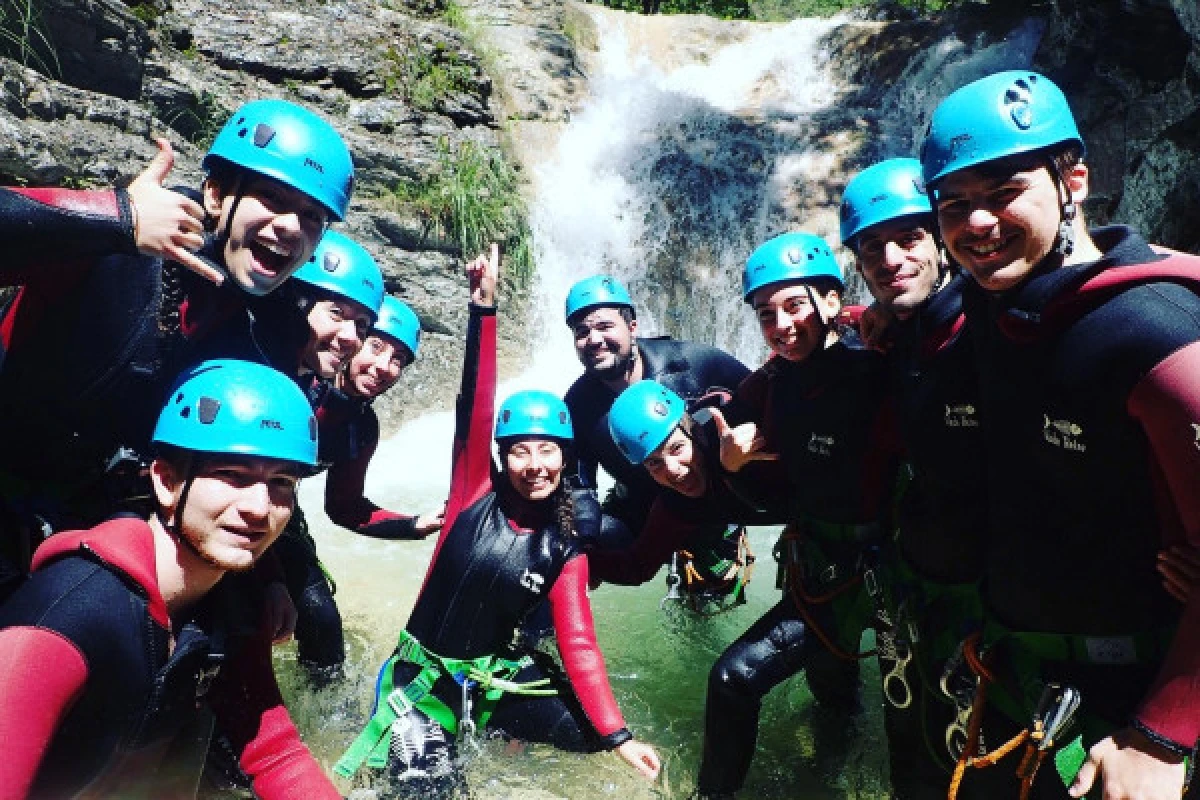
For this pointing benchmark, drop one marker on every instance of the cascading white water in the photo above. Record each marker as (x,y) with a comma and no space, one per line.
(667,177)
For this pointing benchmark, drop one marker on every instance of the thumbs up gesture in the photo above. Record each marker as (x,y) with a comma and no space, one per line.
(741,444)
(167,224)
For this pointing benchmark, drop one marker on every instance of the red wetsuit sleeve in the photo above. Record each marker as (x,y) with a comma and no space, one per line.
(41,675)
(471,471)
(250,710)
(44,227)
(1167,404)
(576,635)
(663,534)
(346,502)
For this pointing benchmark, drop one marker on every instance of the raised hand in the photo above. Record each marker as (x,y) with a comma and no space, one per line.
(167,224)
(740,445)
(430,522)
(1179,567)
(482,276)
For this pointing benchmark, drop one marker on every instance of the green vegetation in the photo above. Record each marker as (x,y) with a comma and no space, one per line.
(777,10)
(146,11)
(473,198)
(23,37)
(198,123)
(425,79)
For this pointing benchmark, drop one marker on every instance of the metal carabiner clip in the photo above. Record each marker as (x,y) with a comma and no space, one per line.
(957,730)
(466,726)
(1055,710)
(899,675)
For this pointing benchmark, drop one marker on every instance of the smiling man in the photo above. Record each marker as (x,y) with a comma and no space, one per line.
(1087,345)
(601,316)
(125,629)
(126,281)
(931,589)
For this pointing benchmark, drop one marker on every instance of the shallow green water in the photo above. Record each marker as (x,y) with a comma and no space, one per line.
(658,661)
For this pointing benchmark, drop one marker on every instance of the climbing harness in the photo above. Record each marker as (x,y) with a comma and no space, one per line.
(483,682)
(707,583)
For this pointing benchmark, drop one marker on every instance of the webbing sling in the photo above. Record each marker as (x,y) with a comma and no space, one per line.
(490,673)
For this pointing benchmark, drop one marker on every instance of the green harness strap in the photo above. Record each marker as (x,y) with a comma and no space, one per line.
(490,673)
(1026,650)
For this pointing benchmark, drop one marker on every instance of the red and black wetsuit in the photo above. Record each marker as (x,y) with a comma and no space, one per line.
(94,689)
(1090,379)
(491,569)
(690,370)
(675,521)
(829,420)
(91,344)
(349,436)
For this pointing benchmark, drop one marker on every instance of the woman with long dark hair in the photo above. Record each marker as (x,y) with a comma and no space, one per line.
(507,546)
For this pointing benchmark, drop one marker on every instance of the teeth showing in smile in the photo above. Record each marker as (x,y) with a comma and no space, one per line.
(275,248)
(985,249)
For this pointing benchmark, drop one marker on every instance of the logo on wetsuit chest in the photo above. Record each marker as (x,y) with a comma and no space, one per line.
(961,416)
(821,445)
(532,581)
(1063,433)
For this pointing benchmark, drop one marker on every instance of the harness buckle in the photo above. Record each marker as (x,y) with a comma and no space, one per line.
(870,582)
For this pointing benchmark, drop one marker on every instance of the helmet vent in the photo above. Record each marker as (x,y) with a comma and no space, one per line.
(1017,98)
(793,255)
(660,409)
(332,262)
(562,418)
(312,428)
(263,134)
(208,408)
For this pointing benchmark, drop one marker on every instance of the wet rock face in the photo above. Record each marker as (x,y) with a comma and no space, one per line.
(1132,71)
(129,71)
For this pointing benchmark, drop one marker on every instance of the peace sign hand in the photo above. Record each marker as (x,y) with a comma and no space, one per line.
(166,223)
(741,444)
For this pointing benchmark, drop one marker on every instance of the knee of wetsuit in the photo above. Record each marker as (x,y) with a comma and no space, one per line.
(732,675)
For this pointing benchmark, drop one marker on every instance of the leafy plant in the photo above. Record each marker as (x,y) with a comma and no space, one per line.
(23,37)
(198,123)
(473,198)
(426,79)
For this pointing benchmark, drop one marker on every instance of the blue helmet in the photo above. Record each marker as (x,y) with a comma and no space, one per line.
(642,417)
(342,267)
(596,291)
(790,258)
(397,321)
(885,191)
(1002,115)
(534,413)
(290,144)
(239,408)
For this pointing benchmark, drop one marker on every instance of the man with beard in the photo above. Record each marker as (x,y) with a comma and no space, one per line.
(125,629)
(600,314)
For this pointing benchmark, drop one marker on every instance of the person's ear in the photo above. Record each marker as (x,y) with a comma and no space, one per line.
(167,483)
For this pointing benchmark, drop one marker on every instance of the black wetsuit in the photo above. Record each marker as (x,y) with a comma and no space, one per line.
(1088,377)
(828,419)
(933,597)
(498,558)
(90,347)
(690,370)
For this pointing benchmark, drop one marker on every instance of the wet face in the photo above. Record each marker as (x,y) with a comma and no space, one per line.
(275,229)
(336,330)
(234,510)
(376,367)
(534,467)
(604,342)
(900,262)
(998,223)
(790,323)
(678,465)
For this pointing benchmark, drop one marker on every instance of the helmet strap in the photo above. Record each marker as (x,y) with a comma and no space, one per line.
(824,323)
(238,194)
(1064,243)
